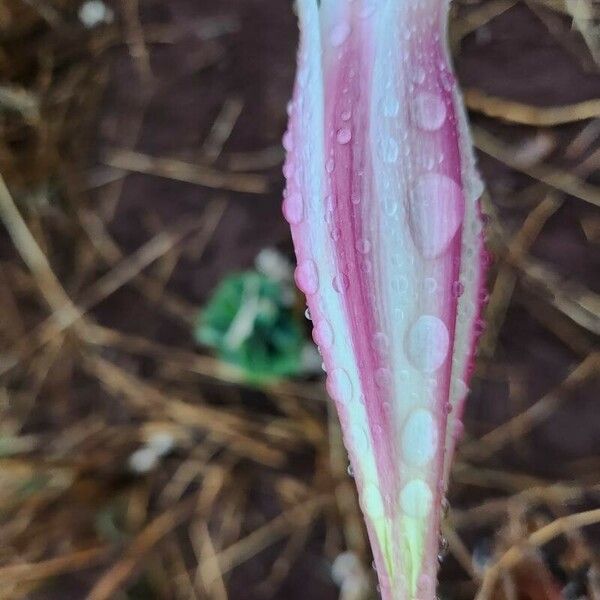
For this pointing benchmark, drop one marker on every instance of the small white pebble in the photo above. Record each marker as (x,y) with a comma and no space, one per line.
(95,12)
(143,460)
(162,442)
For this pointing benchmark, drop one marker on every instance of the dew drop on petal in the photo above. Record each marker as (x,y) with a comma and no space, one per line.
(430,285)
(390,150)
(339,34)
(381,343)
(344,135)
(363,246)
(419,75)
(340,283)
(288,141)
(428,343)
(419,438)
(339,386)
(436,212)
(391,106)
(416,499)
(383,378)
(307,277)
(430,111)
(293,208)
(323,334)
(372,501)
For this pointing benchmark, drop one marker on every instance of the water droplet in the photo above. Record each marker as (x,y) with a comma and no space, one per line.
(288,141)
(340,283)
(346,115)
(307,314)
(323,334)
(334,233)
(293,208)
(390,150)
(307,277)
(355,199)
(430,111)
(436,213)
(350,471)
(344,135)
(443,549)
(447,80)
(389,204)
(458,289)
(363,246)
(339,386)
(383,378)
(330,165)
(360,438)
(430,285)
(381,343)
(419,438)
(372,501)
(367,267)
(339,34)
(368,10)
(400,285)
(428,343)
(323,367)
(391,106)
(416,499)
(419,75)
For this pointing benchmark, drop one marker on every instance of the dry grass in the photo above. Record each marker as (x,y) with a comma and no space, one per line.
(76,404)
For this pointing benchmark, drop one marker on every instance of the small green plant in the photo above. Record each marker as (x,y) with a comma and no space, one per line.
(250,322)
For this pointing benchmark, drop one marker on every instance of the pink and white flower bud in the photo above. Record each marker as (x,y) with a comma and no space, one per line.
(382,199)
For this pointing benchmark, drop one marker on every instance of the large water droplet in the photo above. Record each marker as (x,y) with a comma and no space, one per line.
(339,386)
(344,135)
(428,343)
(340,283)
(430,111)
(416,499)
(307,277)
(419,438)
(372,501)
(293,208)
(339,34)
(436,212)
(323,334)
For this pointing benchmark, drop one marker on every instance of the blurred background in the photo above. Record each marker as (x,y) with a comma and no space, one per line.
(164,432)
